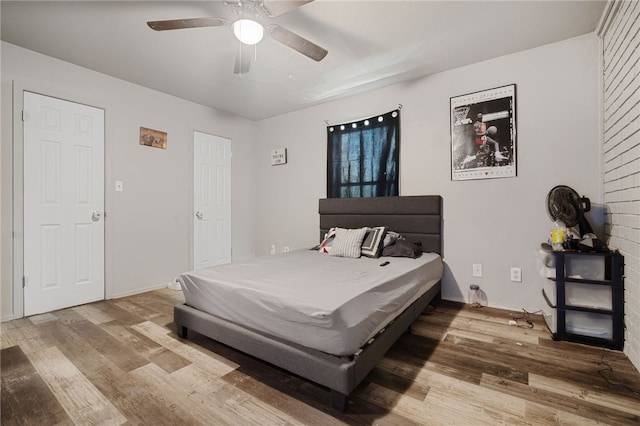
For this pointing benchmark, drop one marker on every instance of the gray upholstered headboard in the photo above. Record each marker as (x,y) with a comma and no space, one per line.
(417,218)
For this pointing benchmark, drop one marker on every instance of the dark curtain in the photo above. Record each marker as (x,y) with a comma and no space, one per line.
(362,157)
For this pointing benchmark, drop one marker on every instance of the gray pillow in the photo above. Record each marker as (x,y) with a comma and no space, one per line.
(403,248)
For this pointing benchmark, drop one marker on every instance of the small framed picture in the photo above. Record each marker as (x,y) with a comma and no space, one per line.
(483,134)
(278,156)
(153,138)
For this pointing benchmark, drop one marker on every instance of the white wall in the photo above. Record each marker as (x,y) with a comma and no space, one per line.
(499,223)
(148,226)
(622,155)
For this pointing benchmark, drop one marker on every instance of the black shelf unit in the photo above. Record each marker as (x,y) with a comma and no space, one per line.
(610,318)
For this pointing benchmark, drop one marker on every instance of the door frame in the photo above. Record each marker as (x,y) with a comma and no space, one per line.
(17,196)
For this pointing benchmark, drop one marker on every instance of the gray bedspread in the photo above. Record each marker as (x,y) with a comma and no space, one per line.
(326,303)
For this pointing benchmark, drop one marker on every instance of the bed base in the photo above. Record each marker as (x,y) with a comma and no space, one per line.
(340,374)
(418,218)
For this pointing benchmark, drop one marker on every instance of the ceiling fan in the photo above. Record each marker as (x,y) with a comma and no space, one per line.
(249,31)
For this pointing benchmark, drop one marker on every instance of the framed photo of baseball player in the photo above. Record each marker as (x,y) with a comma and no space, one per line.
(483,134)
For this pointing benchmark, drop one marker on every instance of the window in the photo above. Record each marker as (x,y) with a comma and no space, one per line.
(362,157)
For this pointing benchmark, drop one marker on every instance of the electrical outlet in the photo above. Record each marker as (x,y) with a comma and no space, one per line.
(273,249)
(286,249)
(477,269)
(516,275)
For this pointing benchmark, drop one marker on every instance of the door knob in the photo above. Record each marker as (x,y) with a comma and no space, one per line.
(199,215)
(96,216)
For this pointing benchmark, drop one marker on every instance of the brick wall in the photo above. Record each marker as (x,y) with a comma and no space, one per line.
(620,32)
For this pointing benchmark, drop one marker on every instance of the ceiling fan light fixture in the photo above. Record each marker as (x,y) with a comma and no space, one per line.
(248,31)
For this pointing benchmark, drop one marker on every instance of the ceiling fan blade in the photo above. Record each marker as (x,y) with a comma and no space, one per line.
(178,24)
(297,43)
(243,59)
(280,7)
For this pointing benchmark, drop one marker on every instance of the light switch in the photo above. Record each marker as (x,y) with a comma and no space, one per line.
(119,186)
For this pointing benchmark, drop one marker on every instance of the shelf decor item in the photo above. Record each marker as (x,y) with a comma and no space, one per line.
(483,134)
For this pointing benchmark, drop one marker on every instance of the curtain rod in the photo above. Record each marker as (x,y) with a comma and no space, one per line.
(327,120)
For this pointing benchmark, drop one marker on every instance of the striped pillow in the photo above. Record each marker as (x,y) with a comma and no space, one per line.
(348,242)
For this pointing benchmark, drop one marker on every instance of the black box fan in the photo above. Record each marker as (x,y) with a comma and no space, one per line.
(564,204)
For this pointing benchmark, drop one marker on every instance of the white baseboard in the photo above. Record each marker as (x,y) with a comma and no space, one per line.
(7,318)
(138,291)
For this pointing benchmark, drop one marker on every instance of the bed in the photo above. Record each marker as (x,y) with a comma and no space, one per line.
(344,347)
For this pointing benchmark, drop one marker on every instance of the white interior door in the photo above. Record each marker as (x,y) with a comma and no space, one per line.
(63,204)
(211,200)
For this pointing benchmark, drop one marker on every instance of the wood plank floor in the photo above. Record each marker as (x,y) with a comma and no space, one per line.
(120,362)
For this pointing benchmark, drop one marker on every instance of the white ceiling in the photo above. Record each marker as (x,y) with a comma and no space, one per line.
(371,44)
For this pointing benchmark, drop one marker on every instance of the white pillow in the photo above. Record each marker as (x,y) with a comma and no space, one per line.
(348,242)
(390,238)
(325,245)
